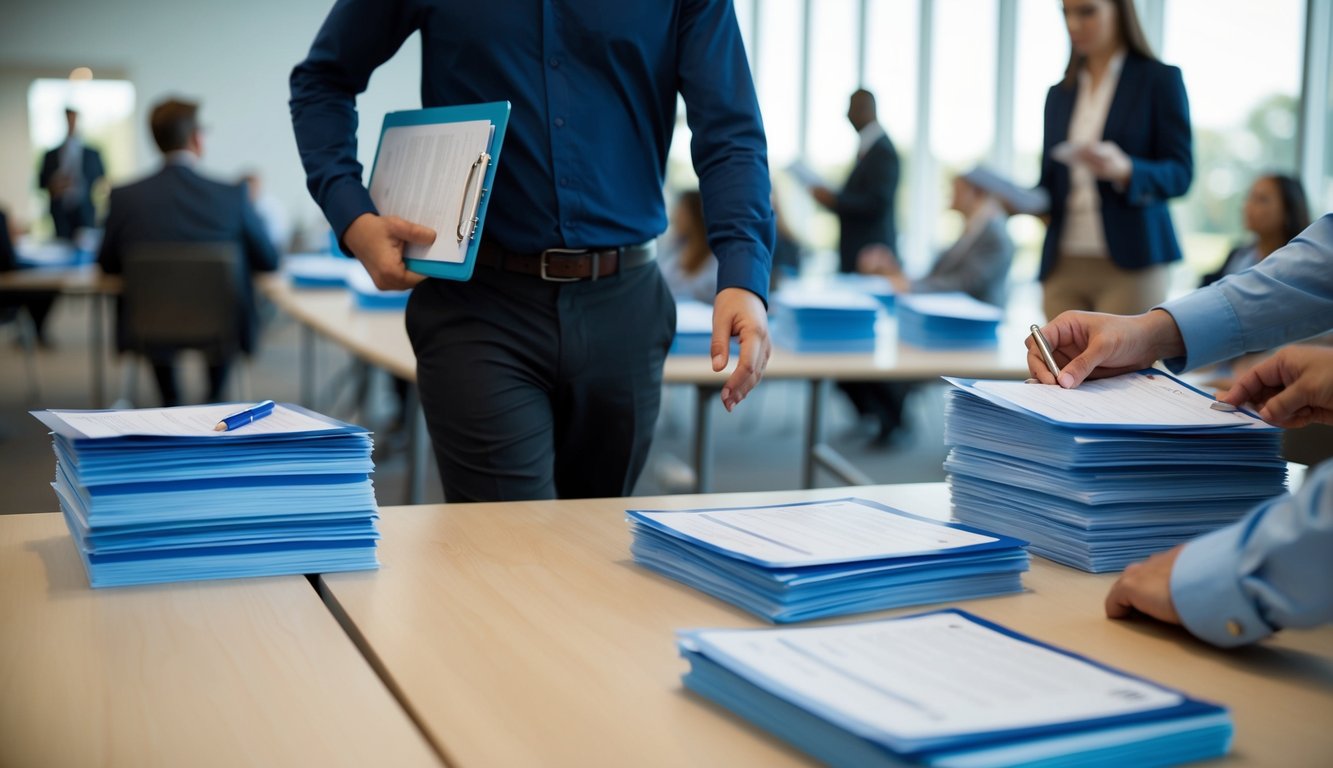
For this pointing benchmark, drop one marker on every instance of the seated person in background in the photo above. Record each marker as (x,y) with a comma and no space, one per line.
(1273,569)
(175,205)
(38,302)
(978,262)
(1275,212)
(687,262)
(270,211)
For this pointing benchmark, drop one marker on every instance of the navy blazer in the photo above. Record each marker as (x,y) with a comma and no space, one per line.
(177,205)
(1149,119)
(866,204)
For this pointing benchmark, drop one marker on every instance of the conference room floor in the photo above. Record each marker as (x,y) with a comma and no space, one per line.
(757,448)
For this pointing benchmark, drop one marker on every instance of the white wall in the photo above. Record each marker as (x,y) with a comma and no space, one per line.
(232,55)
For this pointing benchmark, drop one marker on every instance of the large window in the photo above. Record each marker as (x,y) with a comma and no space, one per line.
(962,118)
(892,53)
(831,141)
(1242,67)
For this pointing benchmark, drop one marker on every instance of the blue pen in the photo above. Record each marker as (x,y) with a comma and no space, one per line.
(242,418)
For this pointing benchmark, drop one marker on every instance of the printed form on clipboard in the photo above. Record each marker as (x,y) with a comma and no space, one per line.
(436,167)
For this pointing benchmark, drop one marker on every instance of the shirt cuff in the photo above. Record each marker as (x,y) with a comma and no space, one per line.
(1207,593)
(343,203)
(744,268)
(1208,326)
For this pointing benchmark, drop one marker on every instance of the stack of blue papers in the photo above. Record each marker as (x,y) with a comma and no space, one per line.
(367,296)
(876,286)
(946,689)
(319,270)
(1104,475)
(156,495)
(694,328)
(825,321)
(947,321)
(828,558)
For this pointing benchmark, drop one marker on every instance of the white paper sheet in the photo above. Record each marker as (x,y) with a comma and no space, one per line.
(805,174)
(420,175)
(186,421)
(928,676)
(835,531)
(1123,400)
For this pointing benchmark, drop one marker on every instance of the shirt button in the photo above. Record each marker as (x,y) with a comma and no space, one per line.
(555,63)
(1235,628)
(560,122)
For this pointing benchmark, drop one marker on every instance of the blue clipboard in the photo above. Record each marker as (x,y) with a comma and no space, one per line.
(477,186)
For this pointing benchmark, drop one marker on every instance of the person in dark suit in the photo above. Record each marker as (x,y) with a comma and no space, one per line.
(68,174)
(1117,148)
(177,204)
(865,206)
(1275,212)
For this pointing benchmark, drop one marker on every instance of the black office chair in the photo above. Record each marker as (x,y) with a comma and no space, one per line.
(179,296)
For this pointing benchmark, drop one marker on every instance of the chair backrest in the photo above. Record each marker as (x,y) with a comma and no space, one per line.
(183,295)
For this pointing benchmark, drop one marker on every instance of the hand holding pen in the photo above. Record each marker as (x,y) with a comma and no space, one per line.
(247,416)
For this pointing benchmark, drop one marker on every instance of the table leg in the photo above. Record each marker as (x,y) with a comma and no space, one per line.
(814,430)
(703,437)
(307,375)
(97,348)
(418,447)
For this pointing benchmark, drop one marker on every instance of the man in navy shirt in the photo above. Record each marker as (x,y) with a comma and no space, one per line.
(534,387)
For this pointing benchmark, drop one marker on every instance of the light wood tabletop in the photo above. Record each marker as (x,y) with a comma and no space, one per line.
(222,673)
(522,634)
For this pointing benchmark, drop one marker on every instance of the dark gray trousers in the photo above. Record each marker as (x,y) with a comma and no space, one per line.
(538,390)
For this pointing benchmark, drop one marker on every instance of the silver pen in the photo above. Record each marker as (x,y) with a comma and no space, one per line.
(1045,351)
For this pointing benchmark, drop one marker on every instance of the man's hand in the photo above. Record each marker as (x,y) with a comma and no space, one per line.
(1095,345)
(825,197)
(1107,161)
(1145,587)
(738,312)
(378,243)
(1292,388)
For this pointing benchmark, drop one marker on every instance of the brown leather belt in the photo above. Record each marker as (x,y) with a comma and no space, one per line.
(566,265)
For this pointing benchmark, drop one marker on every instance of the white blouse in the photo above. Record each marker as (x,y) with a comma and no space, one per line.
(1083,234)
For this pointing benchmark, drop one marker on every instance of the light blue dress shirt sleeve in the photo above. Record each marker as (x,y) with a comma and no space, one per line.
(1284,298)
(1272,570)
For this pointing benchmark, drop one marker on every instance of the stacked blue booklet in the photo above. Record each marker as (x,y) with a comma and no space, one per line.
(367,296)
(157,494)
(946,689)
(875,286)
(825,321)
(801,561)
(694,328)
(1106,474)
(947,321)
(319,270)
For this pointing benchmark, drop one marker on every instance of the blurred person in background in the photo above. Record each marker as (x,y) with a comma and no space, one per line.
(1275,212)
(1117,148)
(68,174)
(687,261)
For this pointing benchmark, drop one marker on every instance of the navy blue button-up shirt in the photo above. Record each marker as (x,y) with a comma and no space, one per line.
(593,85)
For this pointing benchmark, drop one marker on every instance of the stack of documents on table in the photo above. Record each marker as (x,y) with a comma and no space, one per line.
(694,328)
(946,689)
(319,271)
(793,562)
(156,495)
(875,286)
(825,321)
(1106,474)
(367,296)
(947,321)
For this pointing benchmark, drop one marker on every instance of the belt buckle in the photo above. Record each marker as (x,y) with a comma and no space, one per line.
(596,264)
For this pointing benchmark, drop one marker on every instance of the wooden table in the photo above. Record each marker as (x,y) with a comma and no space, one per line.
(85,280)
(222,673)
(522,634)
(380,339)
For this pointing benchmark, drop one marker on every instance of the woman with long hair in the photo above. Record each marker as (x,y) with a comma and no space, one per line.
(1117,147)
(1275,212)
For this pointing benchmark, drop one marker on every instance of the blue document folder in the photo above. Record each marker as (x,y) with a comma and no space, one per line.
(158,495)
(441,184)
(1108,474)
(833,703)
(825,321)
(947,321)
(768,560)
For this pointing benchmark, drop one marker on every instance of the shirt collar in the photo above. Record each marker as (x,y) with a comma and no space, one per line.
(182,157)
(1113,68)
(869,135)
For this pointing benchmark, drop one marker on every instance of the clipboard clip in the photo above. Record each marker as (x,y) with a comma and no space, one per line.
(472,192)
